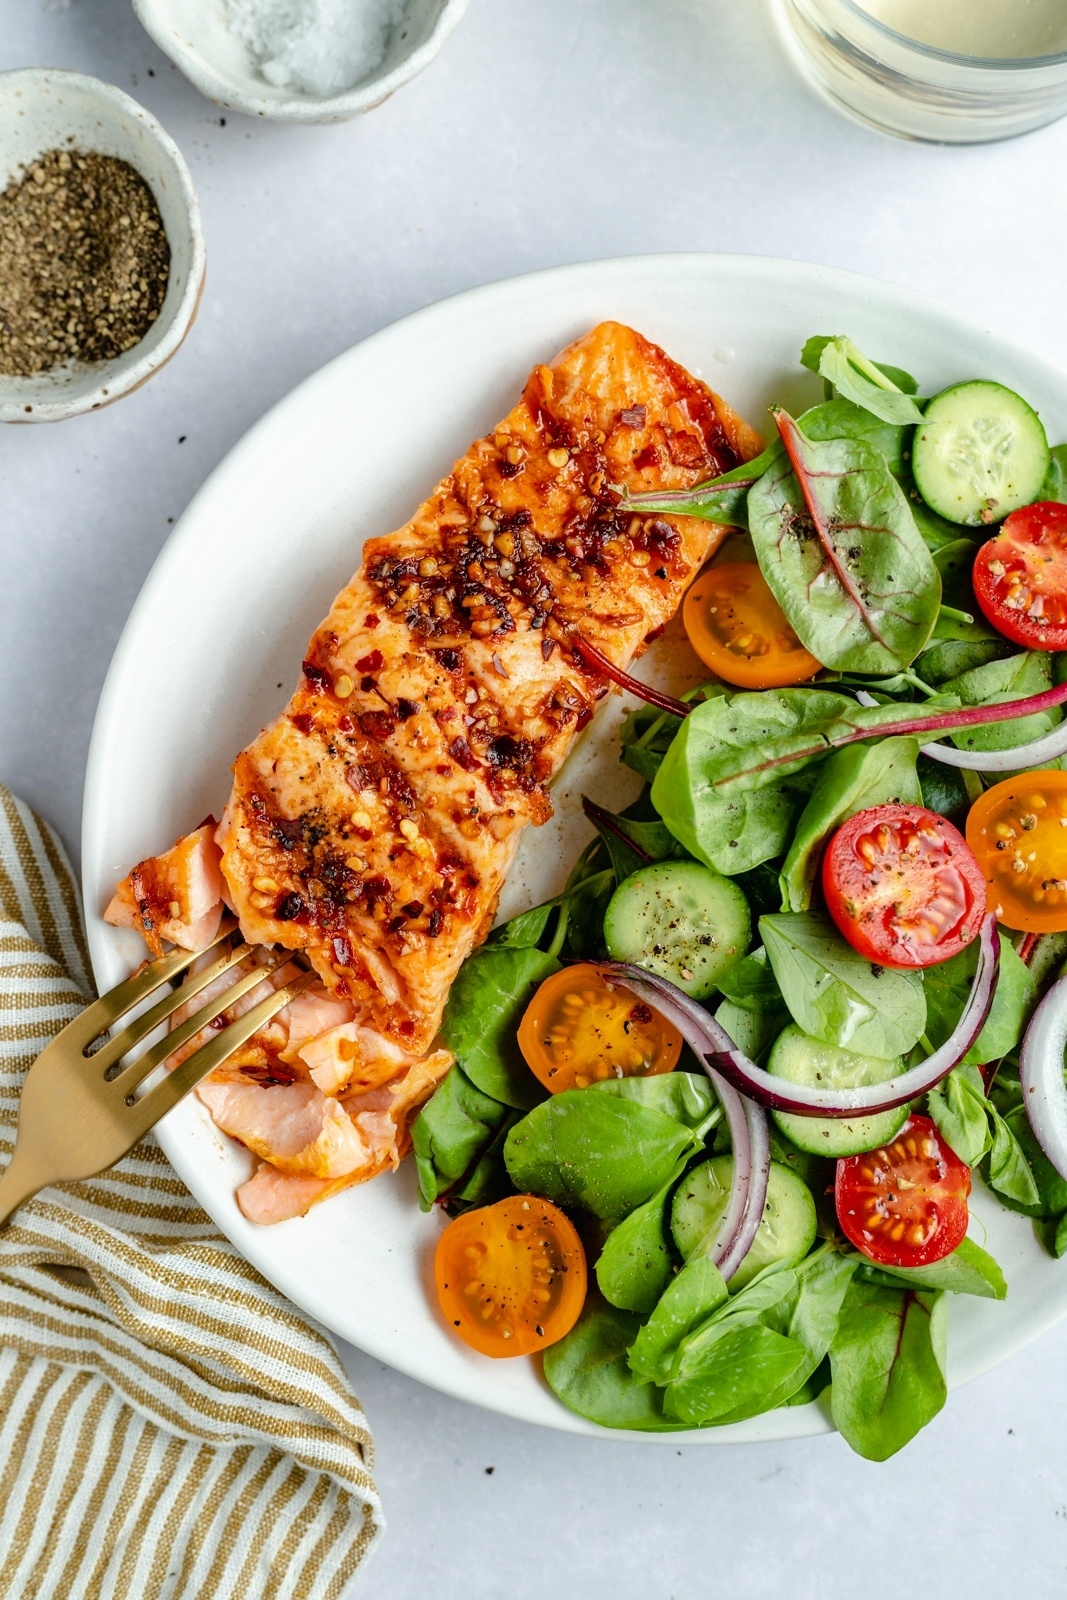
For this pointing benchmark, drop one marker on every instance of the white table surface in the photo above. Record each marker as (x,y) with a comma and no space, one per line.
(549,131)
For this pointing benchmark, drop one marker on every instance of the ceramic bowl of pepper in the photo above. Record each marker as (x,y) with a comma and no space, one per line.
(268,62)
(101,249)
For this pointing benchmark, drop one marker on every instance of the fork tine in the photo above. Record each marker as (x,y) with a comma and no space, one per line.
(121,1043)
(112,1007)
(139,1069)
(163,1097)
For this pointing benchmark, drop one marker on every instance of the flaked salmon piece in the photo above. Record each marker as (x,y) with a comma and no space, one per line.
(383,1118)
(272,1196)
(296,1126)
(351,1056)
(311,1014)
(268,1044)
(372,824)
(176,896)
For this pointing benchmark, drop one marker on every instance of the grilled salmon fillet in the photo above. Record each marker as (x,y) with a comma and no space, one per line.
(373,823)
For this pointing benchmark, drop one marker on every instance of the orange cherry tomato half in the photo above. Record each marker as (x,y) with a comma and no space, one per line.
(580,1029)
(1020,577)
(1018,832)
(739,630)
(511,1278)
(904,1205)
(902,886)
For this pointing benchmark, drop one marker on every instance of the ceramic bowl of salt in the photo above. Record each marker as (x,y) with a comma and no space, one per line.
(300,60)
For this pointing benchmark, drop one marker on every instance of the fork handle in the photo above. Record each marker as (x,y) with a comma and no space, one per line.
(20,1179)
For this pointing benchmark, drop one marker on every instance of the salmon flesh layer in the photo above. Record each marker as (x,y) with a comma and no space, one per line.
(372,824)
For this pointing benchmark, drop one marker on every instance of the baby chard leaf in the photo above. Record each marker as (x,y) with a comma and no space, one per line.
(837,543)
(888,1364)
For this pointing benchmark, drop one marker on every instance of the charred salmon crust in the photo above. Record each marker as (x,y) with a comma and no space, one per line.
(372,824)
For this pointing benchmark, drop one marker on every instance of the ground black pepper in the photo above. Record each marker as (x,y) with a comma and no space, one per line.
(84,262)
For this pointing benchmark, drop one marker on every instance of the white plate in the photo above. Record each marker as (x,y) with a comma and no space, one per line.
(214,643)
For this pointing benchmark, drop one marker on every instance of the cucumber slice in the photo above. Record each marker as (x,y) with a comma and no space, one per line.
(681,920)
(979,453)
(799,1058)
(786,1231)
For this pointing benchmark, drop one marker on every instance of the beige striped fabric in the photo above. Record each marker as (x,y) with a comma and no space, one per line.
(171,1428)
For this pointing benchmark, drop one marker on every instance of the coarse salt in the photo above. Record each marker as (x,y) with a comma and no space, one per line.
(316,47)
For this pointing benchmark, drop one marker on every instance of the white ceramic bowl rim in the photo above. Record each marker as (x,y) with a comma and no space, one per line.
(130,369)
(362,96)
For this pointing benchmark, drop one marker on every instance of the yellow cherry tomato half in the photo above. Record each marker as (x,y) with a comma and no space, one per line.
(511,1278)
(580,1029)
(739,630)
(1018,833)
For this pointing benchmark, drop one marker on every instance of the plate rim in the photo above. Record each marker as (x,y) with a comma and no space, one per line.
(802,1421)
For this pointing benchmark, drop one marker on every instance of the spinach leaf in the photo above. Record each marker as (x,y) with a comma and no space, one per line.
(588,1370)
(1009,1171)
(838,546)
(1008,679)
(968,1270)
(837,996)
(601,1152)
(634,1266)
(712,789)
(685,1096)
(488,1179)
(935,530)
(946,659)
(525,930)
(721,499)
(685,1305)
(961,1112)
(888,1365)
(851,780)
(492,990)
(742,1369)
(947,986)
(960,617)
(884,391)
(841,419)
(944,789)
(1055,484)
(752,985)
(454,1128)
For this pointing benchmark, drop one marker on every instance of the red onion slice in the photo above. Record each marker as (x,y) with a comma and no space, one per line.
(713,1045)
(750,1132)
(1041,1075)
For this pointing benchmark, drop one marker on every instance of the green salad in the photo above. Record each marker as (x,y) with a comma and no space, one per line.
(718,1107)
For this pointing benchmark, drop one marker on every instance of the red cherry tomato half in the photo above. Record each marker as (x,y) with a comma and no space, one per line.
(1020,577)
(904,1205)
(903,886)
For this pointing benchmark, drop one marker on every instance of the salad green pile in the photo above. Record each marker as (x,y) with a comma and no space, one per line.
(751,785)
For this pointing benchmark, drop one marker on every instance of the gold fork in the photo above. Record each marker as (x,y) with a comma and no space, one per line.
(79,1113)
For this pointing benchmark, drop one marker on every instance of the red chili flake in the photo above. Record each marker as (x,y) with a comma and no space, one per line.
(547,647)
(377,725)
(436,922)
(317,676)
(373,661)
(405,1028)
(446,714)
(371,621)
(648,457)
(414,908)
(510,469)
(289,907)
(302,722)
(462,755)
(345,723)
(406,708)
(640,1013)
(342,951)
(633,417)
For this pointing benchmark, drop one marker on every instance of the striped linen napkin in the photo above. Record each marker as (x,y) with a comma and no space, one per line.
(171,1428)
